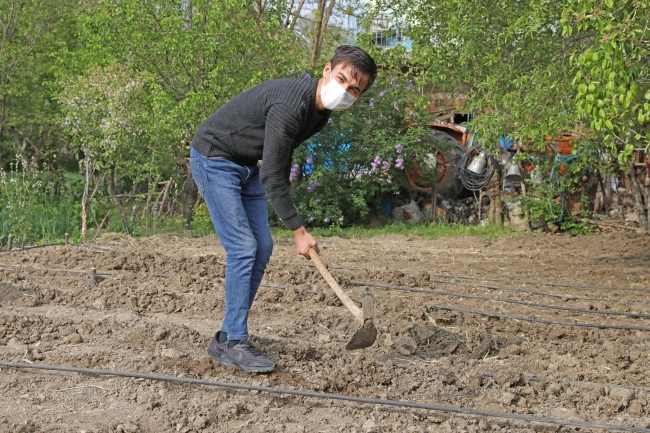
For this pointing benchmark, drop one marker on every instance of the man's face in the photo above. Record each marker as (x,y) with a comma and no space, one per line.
(350,79)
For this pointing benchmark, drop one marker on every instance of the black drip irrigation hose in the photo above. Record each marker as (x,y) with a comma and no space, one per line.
(329,396)
(510,301)
(30,247)
(466,277)
(506,289)
(549,322)
(435,292)
(582,383)
(540,283)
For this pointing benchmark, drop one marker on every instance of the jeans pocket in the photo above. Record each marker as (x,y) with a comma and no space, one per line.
(195,166)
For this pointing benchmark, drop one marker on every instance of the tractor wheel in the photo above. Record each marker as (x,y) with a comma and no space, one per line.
(446,151)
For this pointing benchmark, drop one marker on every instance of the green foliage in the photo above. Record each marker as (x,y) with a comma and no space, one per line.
(509,58)
(563,175)
(611,71)
(347,170)
(30,210)
(425,231)
(33,32)
(201,221)
(199,54)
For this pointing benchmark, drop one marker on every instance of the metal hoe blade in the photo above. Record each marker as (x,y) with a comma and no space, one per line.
(364,337)
(367,333)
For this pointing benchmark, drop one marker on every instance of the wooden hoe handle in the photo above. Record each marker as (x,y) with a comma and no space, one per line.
(356,311)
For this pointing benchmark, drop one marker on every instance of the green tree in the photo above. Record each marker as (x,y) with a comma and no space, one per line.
(612,76)
(346,171)
(31,33)
(510,59)
(105,112)
(197,54)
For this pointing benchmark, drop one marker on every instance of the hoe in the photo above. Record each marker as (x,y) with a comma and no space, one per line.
(367,333)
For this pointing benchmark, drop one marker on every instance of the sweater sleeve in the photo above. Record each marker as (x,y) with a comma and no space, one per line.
(282,126)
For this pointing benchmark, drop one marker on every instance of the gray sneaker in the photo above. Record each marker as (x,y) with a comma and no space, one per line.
(215,349)
(241,354)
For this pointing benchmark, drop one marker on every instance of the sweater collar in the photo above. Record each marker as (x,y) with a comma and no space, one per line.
(312,98)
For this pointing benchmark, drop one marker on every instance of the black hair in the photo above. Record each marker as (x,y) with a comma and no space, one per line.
(358,60)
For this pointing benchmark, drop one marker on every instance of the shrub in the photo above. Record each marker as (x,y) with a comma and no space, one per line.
(344,172)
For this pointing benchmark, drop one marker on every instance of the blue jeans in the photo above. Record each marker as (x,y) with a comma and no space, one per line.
(236,201)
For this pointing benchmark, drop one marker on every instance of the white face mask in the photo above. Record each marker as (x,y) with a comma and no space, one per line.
(334,97)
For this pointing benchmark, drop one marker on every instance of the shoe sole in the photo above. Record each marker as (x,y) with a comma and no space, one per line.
(224,361)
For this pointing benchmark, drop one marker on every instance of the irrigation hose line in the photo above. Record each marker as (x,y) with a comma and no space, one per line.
(529,319)
(510,301)
(549,322)
(581,383)
(510,289)
(324,395)
(467,277)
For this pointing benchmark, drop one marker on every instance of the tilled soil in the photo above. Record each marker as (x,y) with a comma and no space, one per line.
(158,302)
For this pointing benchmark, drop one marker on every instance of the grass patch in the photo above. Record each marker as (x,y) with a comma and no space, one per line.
(426,231)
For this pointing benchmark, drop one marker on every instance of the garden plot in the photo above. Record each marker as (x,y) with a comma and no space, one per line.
(449,335)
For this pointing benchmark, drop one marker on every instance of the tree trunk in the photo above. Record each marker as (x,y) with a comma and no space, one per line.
(118,203)
(647,201)
(607,195)
(190,194)
(322,19)
(636,191)
(84,202)
(296,15)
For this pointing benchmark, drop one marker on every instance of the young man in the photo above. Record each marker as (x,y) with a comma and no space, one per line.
(265,122)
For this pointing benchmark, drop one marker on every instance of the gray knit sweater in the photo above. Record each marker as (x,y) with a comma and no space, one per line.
(266,122)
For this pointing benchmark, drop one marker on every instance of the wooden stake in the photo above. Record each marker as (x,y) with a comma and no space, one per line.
(10,242)
(93,277)
(65,239)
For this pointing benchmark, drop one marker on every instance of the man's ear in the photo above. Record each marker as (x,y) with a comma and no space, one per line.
(326,69)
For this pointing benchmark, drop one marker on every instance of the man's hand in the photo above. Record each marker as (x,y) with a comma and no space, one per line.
(304,242)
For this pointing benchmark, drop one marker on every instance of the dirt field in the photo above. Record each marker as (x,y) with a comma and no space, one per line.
(136,321)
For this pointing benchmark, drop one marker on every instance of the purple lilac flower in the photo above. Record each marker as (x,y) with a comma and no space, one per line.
(326,220)
(399,148)
(399,163)
(294,173)
(410,85)
(390,177)
(341,219)
(329,120)
(317,200)
(375,164)
(311,218)
(382,93)
(385,165)
(309,160)
(413,115)
(372,103)
(312,185)
(396,86)
(395,106)
(306,76)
